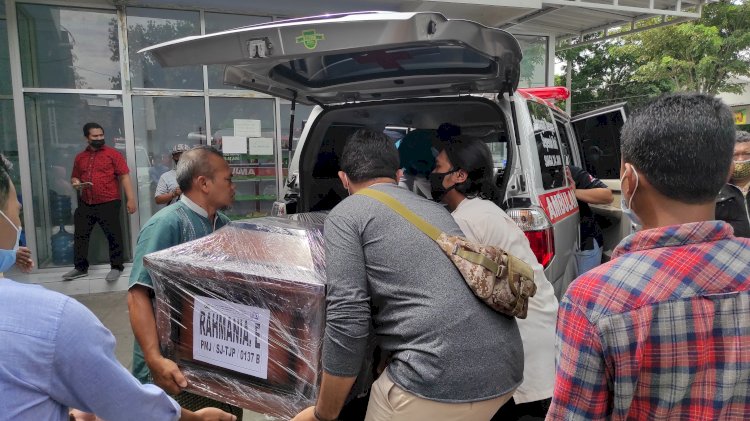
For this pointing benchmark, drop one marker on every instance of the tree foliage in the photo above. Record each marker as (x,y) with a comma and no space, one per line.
(534,55)
(603,74)
(705,55)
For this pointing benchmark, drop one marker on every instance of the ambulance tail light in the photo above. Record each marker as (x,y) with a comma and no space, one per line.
(534,223)
(555,93)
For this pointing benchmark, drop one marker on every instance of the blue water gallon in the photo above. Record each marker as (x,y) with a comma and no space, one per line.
(62,247)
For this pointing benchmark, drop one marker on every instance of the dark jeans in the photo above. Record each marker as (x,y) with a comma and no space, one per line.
(536,410)
(107,215)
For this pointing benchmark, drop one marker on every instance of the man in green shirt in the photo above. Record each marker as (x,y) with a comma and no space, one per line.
(206,183)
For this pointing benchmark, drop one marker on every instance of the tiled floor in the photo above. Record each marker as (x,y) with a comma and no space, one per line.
(112,309)
(93,283)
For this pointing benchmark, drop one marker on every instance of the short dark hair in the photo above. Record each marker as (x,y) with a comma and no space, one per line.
(195,163)
(683,143)
(88,126)
(416,153)
(473,156)
(742,136)
(369,154)
(5,181)
(447,131)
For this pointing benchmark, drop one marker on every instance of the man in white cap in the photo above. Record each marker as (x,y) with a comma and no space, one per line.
(168,191)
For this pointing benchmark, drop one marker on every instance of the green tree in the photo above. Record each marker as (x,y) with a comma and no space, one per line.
(533,56)
(602,74)
(702,55)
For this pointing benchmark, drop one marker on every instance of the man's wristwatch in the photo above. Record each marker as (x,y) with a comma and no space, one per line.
(319,418)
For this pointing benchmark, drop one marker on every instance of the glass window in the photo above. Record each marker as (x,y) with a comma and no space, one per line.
(254,172)
(65,47)
(217,22)
(565,140)
(6,89)
(8,142)
(54,123)
(599,140)
(147,27)
(534,63)
(159,123)
(333,69)
(550,157)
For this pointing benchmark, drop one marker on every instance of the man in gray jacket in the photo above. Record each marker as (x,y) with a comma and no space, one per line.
(451,357)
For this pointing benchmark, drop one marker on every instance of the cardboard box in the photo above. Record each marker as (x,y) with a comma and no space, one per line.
(242,313)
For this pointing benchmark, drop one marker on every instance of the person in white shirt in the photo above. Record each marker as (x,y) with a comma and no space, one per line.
(167,190)
(463,179)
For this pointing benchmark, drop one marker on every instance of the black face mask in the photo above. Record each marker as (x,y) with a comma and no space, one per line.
(436,185)
(96,144)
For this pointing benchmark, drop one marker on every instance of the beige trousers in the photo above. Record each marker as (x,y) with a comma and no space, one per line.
(389,402)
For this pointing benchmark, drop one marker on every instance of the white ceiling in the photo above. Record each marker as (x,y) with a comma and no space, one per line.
(560,18)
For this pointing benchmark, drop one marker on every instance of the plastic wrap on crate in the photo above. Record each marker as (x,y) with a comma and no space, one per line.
(317,217)
(242,312)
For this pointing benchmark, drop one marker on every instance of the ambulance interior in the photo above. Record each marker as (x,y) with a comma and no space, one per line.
(320,187)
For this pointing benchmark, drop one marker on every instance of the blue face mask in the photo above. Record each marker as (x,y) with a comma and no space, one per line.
(8,257)
(625,206)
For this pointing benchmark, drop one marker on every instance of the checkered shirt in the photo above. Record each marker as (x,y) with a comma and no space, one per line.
(660,332)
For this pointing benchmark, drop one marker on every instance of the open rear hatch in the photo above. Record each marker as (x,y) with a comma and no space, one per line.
(355,57)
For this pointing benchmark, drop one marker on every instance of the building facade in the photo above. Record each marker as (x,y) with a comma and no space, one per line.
(65,63)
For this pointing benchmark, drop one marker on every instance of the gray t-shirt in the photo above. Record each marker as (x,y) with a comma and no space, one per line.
(167,184)
(445,344)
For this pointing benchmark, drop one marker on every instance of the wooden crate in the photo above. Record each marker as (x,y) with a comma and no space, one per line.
(236,283)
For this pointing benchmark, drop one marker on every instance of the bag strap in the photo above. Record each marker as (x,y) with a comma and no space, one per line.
(386,199)
(430,230)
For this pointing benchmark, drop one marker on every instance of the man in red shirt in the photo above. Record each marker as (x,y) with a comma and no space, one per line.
(98,172)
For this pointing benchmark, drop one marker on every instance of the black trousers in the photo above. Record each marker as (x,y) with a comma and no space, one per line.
(107,215)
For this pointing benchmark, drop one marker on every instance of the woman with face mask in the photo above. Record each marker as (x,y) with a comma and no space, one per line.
(463,180)
(56,354)
(733,202)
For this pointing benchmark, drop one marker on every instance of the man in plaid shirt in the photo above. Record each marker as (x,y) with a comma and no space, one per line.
(663,330)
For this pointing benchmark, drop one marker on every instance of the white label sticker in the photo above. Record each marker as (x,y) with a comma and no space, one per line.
(261,146)
(232,336)
(234,144)
(246,127)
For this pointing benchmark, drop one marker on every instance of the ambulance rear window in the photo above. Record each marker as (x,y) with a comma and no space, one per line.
(548,146)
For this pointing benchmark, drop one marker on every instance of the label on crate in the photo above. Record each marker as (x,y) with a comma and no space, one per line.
(230,335)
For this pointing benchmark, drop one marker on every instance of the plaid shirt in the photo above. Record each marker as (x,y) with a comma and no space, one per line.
(102,167)
(660,332)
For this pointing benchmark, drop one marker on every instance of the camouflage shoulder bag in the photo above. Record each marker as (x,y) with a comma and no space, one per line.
(502,281)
